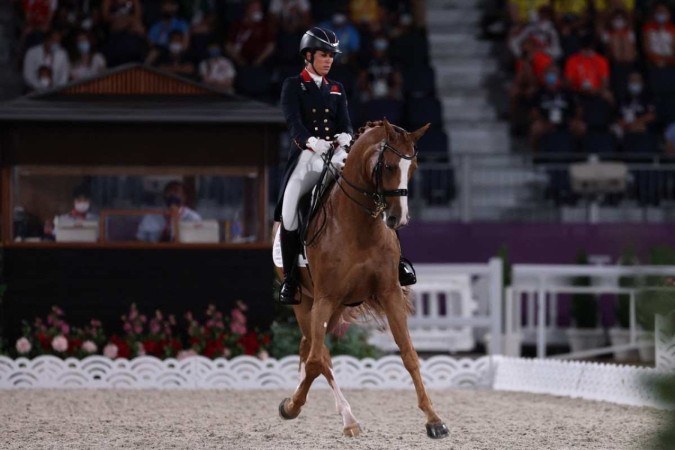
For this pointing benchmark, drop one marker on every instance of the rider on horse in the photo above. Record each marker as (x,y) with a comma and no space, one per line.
(315,109)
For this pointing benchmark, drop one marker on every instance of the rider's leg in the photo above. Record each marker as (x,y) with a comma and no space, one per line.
(406,271)
(303,178)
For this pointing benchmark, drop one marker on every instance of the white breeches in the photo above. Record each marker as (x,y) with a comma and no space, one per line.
(305,175)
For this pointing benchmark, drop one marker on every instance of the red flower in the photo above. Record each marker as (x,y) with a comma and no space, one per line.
(45,342)
(249,342)
(123,350)
(213,349)
(74,344)
(153,348)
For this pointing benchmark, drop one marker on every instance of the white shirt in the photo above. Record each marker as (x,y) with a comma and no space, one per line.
(152,226)
(218,69)
(80,70)
(37,57)
(318,79)
(282,8)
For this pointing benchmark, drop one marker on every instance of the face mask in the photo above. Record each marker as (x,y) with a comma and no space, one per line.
(339,19)
(257,16)
(172,200)
(551,79)
(84,47)
(618,23)
(635,88)
(175,47)
(45,82)
(82,207)
(380,44)
(661,18)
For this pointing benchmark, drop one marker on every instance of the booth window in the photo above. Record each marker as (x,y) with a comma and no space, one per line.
(135,204)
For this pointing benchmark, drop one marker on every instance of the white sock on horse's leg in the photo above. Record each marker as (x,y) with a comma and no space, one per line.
(341,403)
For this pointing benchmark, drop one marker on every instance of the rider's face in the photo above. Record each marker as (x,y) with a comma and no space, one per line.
(323,62)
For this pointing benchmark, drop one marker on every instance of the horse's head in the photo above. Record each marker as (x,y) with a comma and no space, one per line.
(392,165)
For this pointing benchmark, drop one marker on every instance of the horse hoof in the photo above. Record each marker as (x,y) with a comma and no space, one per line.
(437,430)
(283,413)
(352,430)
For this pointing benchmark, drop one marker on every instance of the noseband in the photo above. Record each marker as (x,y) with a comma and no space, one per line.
(379,196)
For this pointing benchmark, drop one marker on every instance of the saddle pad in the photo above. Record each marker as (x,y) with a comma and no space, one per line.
(276,252)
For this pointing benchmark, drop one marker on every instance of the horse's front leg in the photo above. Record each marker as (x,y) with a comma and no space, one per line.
(397,316)
(317,361)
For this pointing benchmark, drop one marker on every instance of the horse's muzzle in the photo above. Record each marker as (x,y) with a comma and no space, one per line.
(394,222)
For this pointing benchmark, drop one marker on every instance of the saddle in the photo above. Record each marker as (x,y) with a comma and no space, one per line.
(310,203)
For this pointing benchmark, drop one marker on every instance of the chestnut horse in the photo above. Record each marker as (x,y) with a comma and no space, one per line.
(355,259)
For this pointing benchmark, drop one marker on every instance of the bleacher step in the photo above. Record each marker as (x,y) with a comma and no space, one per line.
(458,108)
(486,137)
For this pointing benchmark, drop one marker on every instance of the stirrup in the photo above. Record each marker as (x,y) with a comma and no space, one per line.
(287,293)
(406,272)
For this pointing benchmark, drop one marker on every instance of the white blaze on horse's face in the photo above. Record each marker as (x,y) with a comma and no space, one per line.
(396,215)
(404,166)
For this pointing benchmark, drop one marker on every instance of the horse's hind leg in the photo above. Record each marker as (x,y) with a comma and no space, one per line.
(351,426)
(397,316)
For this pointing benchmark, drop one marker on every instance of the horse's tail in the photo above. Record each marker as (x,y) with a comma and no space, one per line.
(370,311)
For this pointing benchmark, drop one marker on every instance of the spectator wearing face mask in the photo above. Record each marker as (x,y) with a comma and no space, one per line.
(175,58)
(217,71)
(347,34)
(251,40)
(659,37)
(380,79)
(619,39)
(162,227)
(81,212)
(48,54)
(554,108)
(636,114)
(542,31)
(160,31)
(87,62)
(587,71)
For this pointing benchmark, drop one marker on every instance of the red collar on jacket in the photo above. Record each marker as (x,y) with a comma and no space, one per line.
(306,77)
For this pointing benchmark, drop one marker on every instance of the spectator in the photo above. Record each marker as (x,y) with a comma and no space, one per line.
(542,31)
(619,38)
(659,37)
(87,62)
(80,213)
(669,136)
(291,18)
(159,32)
(251,40)
(45,78)
(202,28)
(409,46)
(76,14)
(347,34)
(126,39)
(48,54)
(522,11)
(636,109)
(217,71)
(364,12)
(587,71)
(570,28)
(380,79)
(162,227)
(554,108)
(38,16)
(175,58)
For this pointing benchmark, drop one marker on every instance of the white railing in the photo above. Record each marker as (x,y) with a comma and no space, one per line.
(538,287)
(453,303)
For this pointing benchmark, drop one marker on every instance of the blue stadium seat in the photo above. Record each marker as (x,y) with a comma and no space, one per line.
(380,108)
(433,146)
(423,110)
(558,141)
(419,81)
(597,112)
(661,80)
(598,142)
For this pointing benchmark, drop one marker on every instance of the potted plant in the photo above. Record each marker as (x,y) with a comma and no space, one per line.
(584,333)
(620,333)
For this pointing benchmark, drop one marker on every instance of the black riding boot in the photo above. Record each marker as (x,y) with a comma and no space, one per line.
(406,272)
(290,248)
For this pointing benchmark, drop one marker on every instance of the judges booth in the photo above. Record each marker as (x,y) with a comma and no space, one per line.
(122,138)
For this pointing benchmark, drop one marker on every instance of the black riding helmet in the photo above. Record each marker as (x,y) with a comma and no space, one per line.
(319,39)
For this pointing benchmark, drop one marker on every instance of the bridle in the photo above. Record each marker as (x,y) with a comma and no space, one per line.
(379,196)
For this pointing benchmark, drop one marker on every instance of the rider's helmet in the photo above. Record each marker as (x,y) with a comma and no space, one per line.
(319,39)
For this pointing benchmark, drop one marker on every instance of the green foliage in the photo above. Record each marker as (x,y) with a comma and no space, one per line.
(658,293)
(665,390)
(584,308)
(507,269)
(286,341)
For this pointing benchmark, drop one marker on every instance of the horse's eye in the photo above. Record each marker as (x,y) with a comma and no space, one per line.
(389,167)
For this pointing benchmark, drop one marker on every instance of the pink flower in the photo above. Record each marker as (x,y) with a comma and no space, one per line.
(60,343)
(227,352)
(263,355)
(155,327)
(127,327)
(110,351)
(65,328)
(58,311)
(238,328)
(89,347)
(238,317)
(23,345)
(185,354)
(241,305)
(140,350)
(138,329)
(95,323)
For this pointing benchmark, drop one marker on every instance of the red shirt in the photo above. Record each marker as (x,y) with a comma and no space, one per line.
(659,40)
(250,39)
(583,71)
(540,62)
(38,12)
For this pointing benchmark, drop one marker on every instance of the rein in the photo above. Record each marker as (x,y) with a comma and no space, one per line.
(379,196)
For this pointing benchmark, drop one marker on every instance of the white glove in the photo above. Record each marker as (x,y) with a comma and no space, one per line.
(339,159)
(318,145)
(343,139)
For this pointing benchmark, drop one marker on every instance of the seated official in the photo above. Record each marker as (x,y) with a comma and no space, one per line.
(162,227)
(80,213)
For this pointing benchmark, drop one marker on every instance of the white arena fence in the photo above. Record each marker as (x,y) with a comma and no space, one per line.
(537,288)
(453,304)
(592,381)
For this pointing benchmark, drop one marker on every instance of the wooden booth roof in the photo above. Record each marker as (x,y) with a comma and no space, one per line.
(137,93)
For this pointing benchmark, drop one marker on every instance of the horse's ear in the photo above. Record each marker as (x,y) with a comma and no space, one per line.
(417,134)
(391,134)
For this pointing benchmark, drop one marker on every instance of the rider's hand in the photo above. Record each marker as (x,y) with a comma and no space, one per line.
(343,139)
(319,146)
(339,159)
